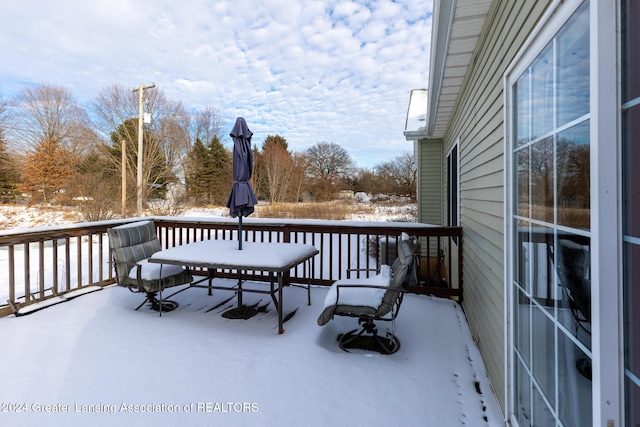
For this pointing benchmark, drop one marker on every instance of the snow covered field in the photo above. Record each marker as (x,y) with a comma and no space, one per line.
(18,217)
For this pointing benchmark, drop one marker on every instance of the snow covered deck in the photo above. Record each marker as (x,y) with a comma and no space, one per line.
(95,361)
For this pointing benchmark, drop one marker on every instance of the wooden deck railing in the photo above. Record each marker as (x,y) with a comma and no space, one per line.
(36,265)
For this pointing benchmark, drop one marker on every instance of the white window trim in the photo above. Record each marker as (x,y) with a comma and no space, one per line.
(455,146)
(607,340)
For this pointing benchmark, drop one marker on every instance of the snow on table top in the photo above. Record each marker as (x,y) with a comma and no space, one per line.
(225,254)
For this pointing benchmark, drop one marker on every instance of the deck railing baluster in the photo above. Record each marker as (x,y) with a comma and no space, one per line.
(54,249)
(27,273)
(41,268)
(329,265)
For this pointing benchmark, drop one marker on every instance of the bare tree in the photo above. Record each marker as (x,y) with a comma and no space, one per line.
(365,180)
(166,140)
(169,128)
(299,165)
(5,109)
(50,113)
(327,166)
(9,174)
(541,171)
(279,174)
(206,124)
(399,176)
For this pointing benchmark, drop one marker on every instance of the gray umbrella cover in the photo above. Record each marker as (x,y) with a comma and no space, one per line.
(242,198)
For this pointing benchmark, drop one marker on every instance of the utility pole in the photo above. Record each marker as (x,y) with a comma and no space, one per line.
(140,91)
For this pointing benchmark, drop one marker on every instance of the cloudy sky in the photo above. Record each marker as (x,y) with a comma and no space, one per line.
(310,71)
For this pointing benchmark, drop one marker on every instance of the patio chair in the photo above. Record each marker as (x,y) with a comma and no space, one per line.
(574,265)
(573,270)
(373,299)
(130,246)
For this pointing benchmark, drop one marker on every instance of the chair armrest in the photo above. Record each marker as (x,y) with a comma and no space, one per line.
(124,267)
(386,288)
(396,295)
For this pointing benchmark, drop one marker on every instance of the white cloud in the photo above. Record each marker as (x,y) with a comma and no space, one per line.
(311,71)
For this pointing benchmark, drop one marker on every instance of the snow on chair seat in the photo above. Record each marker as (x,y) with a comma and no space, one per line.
(372,299)
(131,245)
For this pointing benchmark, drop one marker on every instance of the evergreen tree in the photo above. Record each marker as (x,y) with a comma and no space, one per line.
(221,165)
(276,140)
(209,177)
(198,175)
(155,172)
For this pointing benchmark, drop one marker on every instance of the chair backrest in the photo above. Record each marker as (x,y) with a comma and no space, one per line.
(574,264)
(401,270)
(131,243)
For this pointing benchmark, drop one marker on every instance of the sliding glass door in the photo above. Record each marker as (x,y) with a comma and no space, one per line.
(551,236)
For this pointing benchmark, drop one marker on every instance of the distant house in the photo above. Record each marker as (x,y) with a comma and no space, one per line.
(528,137)
(345,194)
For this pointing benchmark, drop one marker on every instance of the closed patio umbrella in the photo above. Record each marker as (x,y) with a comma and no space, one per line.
(242,199)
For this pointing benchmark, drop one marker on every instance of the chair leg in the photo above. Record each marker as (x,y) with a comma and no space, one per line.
(160,305)
(367,338)
(142,303)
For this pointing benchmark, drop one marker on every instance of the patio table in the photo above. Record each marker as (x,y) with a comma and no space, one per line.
(274,257)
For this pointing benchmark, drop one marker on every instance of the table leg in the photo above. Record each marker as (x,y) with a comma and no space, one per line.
(210,275)
(280,329)
(239,288)
(307,273)
(160,287)
(273,290)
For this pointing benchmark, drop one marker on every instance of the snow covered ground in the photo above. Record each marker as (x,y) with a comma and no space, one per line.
(17,217)
(95,361)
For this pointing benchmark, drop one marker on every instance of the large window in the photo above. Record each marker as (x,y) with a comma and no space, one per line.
(631,200)
(551,286)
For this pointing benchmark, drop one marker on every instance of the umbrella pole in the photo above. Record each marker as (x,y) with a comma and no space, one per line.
(240,271)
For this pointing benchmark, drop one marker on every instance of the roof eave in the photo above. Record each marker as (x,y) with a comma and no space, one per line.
(416,135)
(443,13)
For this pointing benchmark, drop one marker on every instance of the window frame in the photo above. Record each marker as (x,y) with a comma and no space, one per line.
(453,191)
(606,211)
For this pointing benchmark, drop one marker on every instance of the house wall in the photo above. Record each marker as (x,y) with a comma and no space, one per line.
(478,120)
(430,198)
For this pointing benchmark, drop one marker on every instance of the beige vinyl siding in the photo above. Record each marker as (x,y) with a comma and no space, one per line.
(429,153)
(478,121)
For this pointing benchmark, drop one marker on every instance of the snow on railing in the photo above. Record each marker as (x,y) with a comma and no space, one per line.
(37,264)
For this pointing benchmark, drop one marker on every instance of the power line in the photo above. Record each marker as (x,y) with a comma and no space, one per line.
(61,50)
